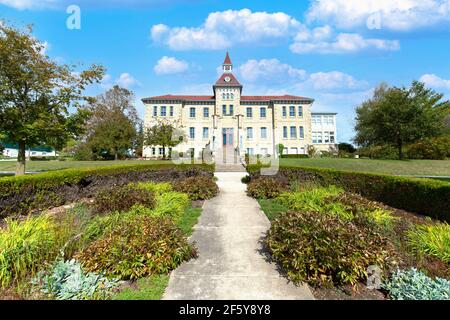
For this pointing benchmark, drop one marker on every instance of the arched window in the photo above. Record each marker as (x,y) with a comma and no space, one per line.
(223,96)
(228,96)
(232,96)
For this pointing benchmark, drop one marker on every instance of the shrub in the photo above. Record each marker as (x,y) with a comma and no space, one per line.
(310,200)
(67,281)
(266,188)
(435,148)
(157,188)
(136,248)
(246,179)
(385,152)
(24,194)
(422,196)
(433,240)
(171,204)
(323,249)
(25,246)
(295,156)
(198,188)
(122,199)
(415,285)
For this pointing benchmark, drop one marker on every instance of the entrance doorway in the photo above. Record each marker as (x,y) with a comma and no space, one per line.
(227,134)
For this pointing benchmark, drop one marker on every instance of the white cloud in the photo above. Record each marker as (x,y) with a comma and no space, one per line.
(333,80)
(270,73)
(126,80)
(28,4)
(269,70)
(226,28)
(343,43)
(394,14)
(434,81)
(170,65)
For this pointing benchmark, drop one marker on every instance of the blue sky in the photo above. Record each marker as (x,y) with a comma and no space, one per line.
(335,51)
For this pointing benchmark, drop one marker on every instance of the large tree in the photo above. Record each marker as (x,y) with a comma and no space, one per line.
(37,93)
(397,116)
(112,128)
(163,134)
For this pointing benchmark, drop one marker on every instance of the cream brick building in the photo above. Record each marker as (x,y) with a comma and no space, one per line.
(229,122)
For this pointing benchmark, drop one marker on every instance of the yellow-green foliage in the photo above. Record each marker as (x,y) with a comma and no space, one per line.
(309,200)
(157,188)
(433,240)
(381,217)
(171,204)
(25,246)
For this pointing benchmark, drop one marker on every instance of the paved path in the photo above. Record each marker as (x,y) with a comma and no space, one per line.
(230,265)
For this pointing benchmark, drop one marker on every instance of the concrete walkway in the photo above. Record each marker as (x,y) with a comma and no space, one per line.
(230,265)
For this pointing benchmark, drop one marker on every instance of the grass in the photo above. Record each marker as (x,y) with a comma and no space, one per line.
(433,240)
(149,288)
(271,208)
(189,220)
(394,167)
(42,166)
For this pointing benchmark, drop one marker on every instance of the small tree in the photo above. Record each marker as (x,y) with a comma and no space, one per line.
(163,134)
(36,93)
(397,116)
(280,150)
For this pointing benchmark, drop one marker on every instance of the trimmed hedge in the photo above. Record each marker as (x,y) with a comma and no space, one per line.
(25,194)
(423,196)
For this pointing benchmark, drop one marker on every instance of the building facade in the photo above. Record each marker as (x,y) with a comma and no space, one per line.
(230,122)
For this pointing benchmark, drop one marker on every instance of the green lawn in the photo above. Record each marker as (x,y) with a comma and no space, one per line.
(40,166)
(395,167)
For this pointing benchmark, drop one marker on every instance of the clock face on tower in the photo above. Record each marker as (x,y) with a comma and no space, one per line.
(227,79)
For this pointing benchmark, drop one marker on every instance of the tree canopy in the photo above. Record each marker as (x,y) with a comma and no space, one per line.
(37,93)
(163,134)
(397,116)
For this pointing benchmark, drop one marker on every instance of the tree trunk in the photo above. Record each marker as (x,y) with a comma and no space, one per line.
(116,156)
(164,152)
(400,150)
(20,165)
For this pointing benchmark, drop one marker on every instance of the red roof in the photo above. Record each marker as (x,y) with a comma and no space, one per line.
(233,81)
(181,97)
(211,98)
(227,59)
(271,98)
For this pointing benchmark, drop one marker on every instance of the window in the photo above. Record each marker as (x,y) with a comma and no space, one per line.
(192,112)
(285,132)
(224,110)
(332,139)
(294,151)
(155,111)
(293,132)
(250,151)
(328,120)
(171,111)
(300,111)
(249,133)
(154,151)
(161,151)
(224,96)
(228,96)
(249,113)
(316,119)
(231,96)
(301,132)
(192,133)
(263,133)
(291,111)
(205,112)
(284,111)
(262,112)
(317,137)
(231,110)
(205,133)
(163,111)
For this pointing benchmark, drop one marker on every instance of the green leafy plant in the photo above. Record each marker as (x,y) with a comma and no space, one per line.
(246,179)
(266,188)
(308,200)
(136,248)
(433,240)
(415,285)
(25,246)
(157,188)
(122,199)
(198,188)
(171,204)
(66,280)
(323,249)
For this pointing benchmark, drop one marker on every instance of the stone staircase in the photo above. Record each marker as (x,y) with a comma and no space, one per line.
(227,160)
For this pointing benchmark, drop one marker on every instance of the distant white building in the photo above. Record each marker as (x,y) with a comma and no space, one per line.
(12,151)
(323,131)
